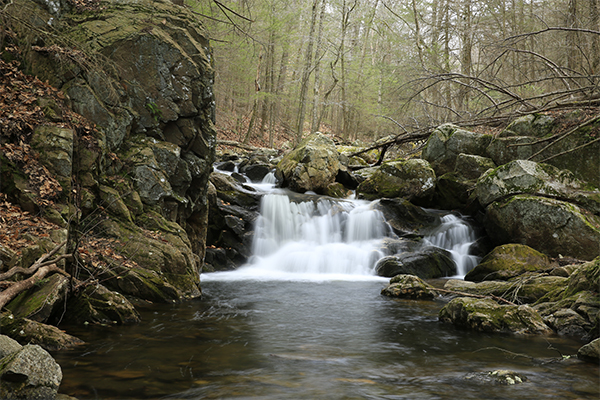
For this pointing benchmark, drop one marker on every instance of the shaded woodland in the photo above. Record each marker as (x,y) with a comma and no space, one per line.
(370,69)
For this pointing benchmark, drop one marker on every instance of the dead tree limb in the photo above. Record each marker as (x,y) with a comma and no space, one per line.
(36,265)
(12,291)
(477,296)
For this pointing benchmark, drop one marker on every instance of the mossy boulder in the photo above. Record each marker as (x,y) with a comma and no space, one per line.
(537,125)
(113,202)
(590,352)
(97,305)
(413,180)
(521,176)
(448,141)
(312,166)
(26,331)
(408,287)
(163,248)
(508,261)
(42,301)
(550,226)
(486,315)
(428,263)
(527,288)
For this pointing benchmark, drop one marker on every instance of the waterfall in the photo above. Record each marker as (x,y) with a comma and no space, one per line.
(314,238)
(457,237)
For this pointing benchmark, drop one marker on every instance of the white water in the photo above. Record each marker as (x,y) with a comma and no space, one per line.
(456,236)
(320,239)
(317,239)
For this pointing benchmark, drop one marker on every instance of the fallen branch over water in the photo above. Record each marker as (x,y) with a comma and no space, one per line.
(477,296)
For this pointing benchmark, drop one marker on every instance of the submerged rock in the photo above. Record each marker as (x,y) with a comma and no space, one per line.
(485,315)
(499,377)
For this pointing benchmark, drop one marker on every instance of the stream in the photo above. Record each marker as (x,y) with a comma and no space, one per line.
(305,320)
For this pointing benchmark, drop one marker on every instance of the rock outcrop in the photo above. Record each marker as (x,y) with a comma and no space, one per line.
(312,166)
(27,372)
(413,180)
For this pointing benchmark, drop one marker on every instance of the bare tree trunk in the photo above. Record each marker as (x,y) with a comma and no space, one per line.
(317,88)
(306,71)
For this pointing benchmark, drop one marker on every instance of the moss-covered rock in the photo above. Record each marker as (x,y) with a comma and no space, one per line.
(170,255)
(485,315)
(508,261)
(413,180)
(590,352)
(448,141)
(537,125)
(55,147)
(521,176)
(550,226)
(43,300)
(312,166)
(98,305)
(527,288)
(26,331)
(408,287)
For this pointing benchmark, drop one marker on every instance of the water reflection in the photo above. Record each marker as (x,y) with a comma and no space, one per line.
(303,340)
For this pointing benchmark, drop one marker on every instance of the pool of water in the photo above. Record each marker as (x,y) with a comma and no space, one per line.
(312,340)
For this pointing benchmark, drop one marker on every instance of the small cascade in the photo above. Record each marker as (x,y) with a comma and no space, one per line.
(457,237)
(316,236)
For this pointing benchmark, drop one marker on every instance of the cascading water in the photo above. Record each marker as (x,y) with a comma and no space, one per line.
(314,238)
(457,237)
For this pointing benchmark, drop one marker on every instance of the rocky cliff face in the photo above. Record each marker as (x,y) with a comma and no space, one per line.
(140,73)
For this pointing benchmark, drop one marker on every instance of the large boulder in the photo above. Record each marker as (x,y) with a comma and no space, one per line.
(508,261)
(55,146)
(312,166)
(405,218)
(486,315)
(448,141)
(98,305)
(550,226)
(29,373)
(575,151)
(453,189)
(537,125)
(413,180)
(428,263)
(521,176)
(590,352)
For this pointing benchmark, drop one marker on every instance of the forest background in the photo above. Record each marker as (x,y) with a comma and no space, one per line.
(366,69)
